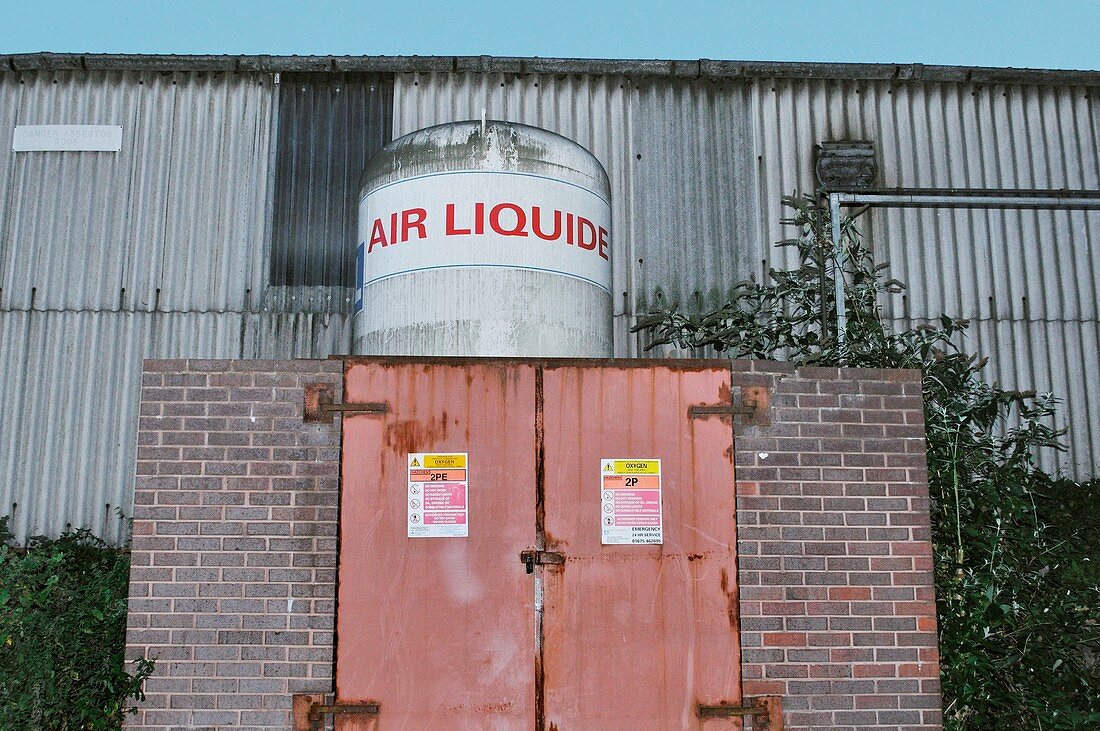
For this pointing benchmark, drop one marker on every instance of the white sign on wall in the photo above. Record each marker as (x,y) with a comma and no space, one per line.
(630,501)
(438,496)
(67,138)
(478,218)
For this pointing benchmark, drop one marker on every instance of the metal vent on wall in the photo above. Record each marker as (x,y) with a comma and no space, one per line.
(846,164)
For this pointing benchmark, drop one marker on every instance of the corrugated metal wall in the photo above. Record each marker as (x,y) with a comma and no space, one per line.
(329,126)
(175,221)
(698,168)
(165,248)
(158,251)
(1028,280)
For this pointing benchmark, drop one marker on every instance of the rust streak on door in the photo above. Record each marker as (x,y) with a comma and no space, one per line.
(637,636)
(438,631)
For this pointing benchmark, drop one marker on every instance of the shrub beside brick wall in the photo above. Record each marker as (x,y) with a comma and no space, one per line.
(233,579)
(234,549)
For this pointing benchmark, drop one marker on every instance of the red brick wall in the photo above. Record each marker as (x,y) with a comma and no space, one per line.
(838,611)
(234,543)
(234,547)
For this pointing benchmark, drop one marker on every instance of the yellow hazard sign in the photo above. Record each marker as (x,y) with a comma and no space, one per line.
(441,461)
(637,466)
(415,462)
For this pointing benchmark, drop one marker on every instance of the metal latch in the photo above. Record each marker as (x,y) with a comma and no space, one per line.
(320,404)
(542,558)
(318,711)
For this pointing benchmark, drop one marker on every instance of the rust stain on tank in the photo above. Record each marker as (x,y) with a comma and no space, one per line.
(414,435)
(724,393)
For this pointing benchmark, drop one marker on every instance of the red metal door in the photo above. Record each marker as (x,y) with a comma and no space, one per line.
(438,631)
(459,633)
(639,636)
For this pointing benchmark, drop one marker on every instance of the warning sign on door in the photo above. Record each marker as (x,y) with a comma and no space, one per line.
(630,501)
(437,499)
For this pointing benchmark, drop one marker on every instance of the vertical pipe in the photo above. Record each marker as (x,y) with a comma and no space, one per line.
(822,295)
(838,268)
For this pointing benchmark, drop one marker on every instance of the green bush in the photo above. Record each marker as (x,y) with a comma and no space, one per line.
(63,633)
(1016,550)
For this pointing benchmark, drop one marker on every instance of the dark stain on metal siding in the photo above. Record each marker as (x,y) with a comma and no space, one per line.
(329,126)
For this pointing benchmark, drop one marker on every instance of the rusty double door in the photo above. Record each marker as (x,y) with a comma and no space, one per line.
(463,633)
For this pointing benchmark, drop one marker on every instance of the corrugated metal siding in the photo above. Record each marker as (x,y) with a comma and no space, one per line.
(70,387)
(978,264)
(1029,280)
(695,204)
(175,221)
(158,251)
(329,126)
(64,229)
(702,205)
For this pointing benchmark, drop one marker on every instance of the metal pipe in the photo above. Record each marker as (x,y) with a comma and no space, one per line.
(916,198)
(943,198)
(838,270)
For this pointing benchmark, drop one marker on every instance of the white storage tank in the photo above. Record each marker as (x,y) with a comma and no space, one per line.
(484,238)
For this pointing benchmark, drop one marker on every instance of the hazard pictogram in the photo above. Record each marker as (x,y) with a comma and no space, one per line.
(415,462)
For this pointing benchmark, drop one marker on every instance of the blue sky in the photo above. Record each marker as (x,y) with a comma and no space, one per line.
(1053,34)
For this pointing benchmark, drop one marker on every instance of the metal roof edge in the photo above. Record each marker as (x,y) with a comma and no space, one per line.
(700,68)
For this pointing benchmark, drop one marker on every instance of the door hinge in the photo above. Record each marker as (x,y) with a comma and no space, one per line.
(766,712)
(542,558)
(321,405)
(318,711)
(747,402)
(698,411)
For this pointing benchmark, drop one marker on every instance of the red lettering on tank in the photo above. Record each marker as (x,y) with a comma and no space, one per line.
(536,224)
(479,218)
(584,225)
(569,228)
(393,228)
(452,230)
(377,235)
(603,243)
(521,220)
(413,218)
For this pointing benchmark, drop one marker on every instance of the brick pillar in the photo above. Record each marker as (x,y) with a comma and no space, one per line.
(234,543)
(838,610)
